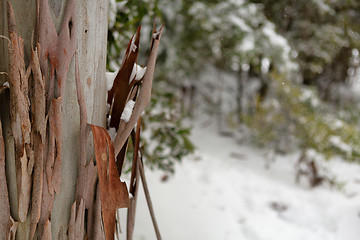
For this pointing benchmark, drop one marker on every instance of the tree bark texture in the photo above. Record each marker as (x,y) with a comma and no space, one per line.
(90,47)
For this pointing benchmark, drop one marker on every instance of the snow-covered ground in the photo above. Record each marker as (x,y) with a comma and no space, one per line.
(225,192)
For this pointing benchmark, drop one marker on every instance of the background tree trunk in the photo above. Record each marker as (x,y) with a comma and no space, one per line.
(92,41)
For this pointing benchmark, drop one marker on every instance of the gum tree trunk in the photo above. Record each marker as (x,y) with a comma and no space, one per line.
(91,49)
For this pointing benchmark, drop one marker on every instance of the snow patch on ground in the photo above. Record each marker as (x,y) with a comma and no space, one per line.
(225,192)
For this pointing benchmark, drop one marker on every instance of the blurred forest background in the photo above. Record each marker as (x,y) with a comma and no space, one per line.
(283,75)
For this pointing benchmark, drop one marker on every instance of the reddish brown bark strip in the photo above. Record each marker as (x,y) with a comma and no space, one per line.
(144,94)
(118,94)
(113,192)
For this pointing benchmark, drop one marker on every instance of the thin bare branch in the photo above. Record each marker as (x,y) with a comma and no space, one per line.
(134,183)
(148,199)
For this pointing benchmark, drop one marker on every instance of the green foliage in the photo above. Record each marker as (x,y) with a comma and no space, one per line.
(313,41)
(318,31)
(125,17)
(166,138)
(293,110)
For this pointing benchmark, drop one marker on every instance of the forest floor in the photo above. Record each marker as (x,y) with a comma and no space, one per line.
(224,191)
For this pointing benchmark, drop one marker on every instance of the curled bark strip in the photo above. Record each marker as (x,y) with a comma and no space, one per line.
(121,156)
(5,219)
(113,192)
(38,138)
(118,94)
(19,115)
(144,94)
(121,90)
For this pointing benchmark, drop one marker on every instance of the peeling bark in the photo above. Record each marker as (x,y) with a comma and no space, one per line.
(76,223)
(47,231)
(144,95)
(11,233)
(113,192)
(57,51)
(37,94)
(119,93)
(38,139)
(53,161)
(7,224)
(19,115)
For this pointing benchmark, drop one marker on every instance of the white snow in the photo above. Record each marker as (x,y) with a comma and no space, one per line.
(6,84)
(155,35)
(240,23)
(339,143)
(338,124)
(133,46)
(225,192)
(126,114)
(137,72)
(110,77)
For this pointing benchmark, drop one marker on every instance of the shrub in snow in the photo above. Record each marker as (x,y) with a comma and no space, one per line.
(311,126)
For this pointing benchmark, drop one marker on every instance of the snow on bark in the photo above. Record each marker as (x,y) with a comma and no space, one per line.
(137,73)
(126,114)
